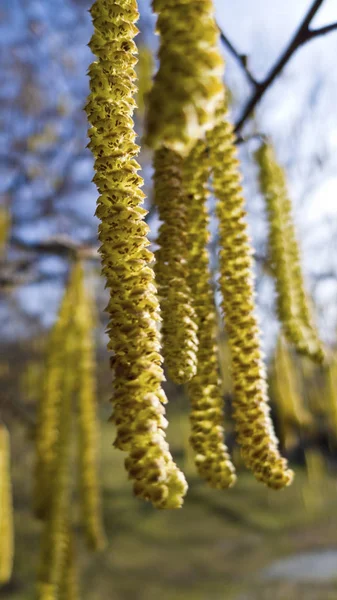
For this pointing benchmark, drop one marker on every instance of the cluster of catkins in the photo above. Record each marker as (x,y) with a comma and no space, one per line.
(168,312)
(69,377)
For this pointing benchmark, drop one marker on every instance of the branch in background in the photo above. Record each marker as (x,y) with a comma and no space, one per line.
(241,58)
(60,245)
(303,35)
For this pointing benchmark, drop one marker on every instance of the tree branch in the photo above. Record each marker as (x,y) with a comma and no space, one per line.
(301,37)
(241,58)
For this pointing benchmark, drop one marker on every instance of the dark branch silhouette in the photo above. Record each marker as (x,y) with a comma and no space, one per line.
(303,35)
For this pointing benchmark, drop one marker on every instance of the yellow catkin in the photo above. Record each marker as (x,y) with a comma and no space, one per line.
(204,390)
(290,407)
(144,71)
(330,403)
(293,304)
(133,307)
(5,224)
(188,85)
(88,423)
(49,401)
(69,584)
(179,319)
(6,509)
(255,432)
(54,539)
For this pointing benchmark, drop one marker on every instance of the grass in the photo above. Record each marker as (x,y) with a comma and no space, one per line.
(212,549)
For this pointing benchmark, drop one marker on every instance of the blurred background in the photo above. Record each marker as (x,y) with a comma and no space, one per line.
(247,543)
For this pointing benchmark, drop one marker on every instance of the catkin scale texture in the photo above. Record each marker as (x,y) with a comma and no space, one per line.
(133,307)
(292,300)
(204,390)
(49,404)
(188,85)
(6,509)
(254,428)
(179,329)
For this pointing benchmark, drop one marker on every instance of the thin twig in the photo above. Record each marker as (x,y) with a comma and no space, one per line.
(241,58)
(302,36)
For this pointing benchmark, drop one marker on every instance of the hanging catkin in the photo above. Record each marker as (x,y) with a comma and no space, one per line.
(5,224)
(6,509)
(204,390)
(69,584)
(292,300)
(133,306)
(290,407)
(54,540)
(49,402)
(187,86)
(88,425)
(255,433)
(179,328)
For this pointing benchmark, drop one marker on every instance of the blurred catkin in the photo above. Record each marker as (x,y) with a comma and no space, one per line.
(5,225)
(133,307)
(49,401)
(292,413)
(69,581)
(179,329)
(293,304)
(88,424)
(6,509)
(188,85)
(204,390)
(57,511)
(255,432)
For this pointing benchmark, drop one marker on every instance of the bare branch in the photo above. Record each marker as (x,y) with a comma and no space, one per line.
(241,58)
(302,36)
(60,245)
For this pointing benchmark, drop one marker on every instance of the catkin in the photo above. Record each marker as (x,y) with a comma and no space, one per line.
(5,224)
(179,327)
(69,584)
(6,509)
(188,85)
(204,390)
(88,425)
(293,304)
(54,539)
(133,307)
(49,403)
(255,432)
(289,403)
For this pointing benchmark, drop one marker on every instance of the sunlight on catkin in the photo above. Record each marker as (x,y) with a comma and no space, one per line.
(133,307)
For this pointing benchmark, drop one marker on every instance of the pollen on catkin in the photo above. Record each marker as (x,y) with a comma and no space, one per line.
(6,509)
(293,304)
(204,390)
(88,423)
(133,307)
(5,224)
(187,86)
(179,329)
(69,585)
(255,432)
